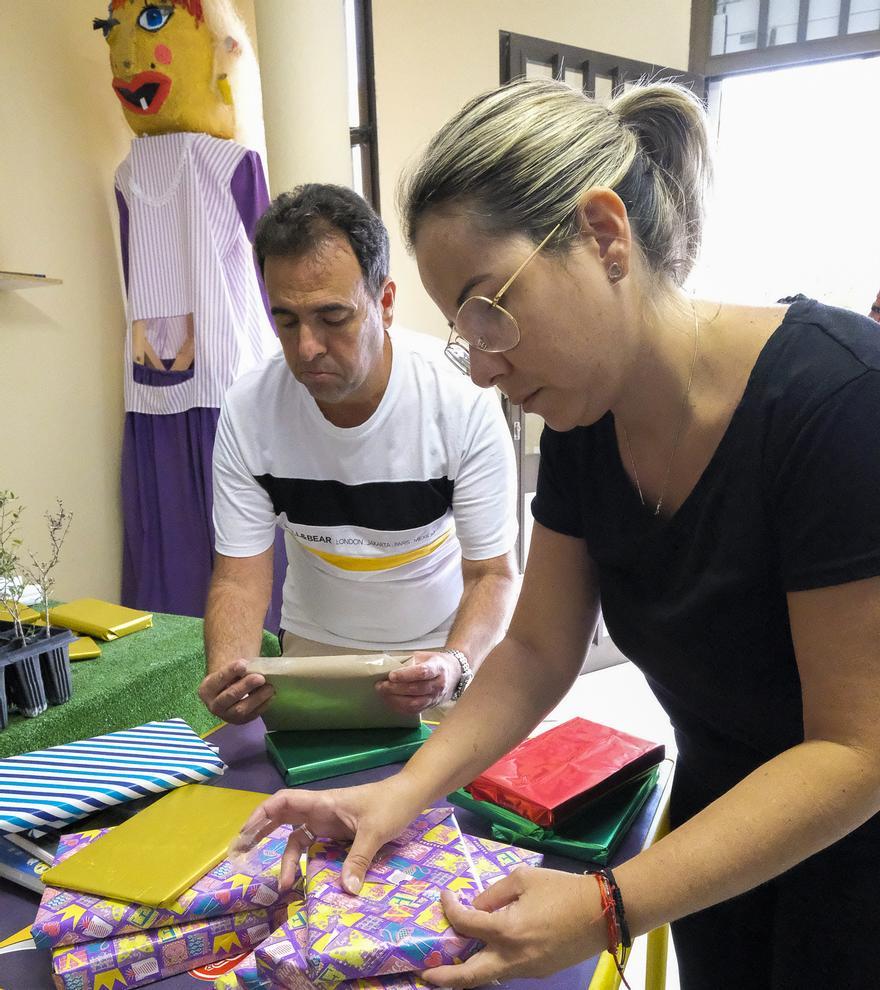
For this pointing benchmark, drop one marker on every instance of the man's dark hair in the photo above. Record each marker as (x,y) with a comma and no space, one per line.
(298,221)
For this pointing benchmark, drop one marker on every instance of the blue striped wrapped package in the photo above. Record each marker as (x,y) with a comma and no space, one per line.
(50,788)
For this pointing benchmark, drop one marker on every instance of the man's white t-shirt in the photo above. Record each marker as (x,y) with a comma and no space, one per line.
(376,517)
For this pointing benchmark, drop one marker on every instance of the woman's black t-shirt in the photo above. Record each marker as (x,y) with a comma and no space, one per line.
(790,501)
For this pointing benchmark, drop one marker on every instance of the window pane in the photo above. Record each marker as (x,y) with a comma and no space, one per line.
(782,22)
(604,87)
(354,111)
(538,70)
(864,15)
(824,19)
(574,77)
(357,169)
(763,110)
(735,26)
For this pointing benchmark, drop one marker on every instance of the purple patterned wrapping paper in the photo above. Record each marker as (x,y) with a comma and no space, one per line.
(67,917)
(493,860)
(134,960)
(396,924)
(244,977)
(281,960)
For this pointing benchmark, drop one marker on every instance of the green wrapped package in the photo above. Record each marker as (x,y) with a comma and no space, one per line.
(592,835)
(307,755)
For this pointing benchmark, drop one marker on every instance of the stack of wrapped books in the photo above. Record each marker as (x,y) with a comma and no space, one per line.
(573,790)
(101,942)
(313,937)
(395,927)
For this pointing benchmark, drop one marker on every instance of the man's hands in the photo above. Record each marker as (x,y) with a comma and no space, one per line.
(427,680)
(234,695)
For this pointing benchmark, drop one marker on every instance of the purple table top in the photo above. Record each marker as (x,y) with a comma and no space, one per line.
(243,748)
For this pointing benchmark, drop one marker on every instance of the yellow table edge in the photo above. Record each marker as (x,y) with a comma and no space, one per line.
(606,976)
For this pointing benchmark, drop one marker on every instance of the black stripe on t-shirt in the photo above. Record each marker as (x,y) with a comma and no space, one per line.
(384,505)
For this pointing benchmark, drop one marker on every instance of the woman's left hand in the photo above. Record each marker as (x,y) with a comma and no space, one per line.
(533,923)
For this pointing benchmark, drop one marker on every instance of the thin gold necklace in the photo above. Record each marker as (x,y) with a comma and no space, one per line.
(684,405)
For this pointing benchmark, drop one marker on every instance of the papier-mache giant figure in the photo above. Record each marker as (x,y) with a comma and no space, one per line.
(189,196)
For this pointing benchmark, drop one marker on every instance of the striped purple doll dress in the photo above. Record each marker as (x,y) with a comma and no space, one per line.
(197,318)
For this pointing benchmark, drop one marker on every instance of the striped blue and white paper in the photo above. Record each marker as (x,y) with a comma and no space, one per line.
(50,788)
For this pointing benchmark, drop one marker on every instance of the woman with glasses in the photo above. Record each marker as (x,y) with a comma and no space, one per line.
(711,472)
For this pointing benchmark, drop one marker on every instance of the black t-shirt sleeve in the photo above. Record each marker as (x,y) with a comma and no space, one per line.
(826,494)
(556,504)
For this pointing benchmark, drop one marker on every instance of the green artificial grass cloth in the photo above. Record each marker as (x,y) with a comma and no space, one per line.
(148,675)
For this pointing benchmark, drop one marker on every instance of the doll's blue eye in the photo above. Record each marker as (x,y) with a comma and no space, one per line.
(154,18)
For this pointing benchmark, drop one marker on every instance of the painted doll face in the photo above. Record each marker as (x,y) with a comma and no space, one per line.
(162,57)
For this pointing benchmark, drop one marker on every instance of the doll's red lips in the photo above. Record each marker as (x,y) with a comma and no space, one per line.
(144,93)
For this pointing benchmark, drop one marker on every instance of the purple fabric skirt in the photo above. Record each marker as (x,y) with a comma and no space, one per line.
(167,498)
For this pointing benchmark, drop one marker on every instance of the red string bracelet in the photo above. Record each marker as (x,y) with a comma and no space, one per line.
(612,910)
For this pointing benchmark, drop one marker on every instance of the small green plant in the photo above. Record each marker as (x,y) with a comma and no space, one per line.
(11,580)
(41,572)
(14,574)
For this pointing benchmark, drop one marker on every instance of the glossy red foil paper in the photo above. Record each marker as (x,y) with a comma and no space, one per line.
(551,776)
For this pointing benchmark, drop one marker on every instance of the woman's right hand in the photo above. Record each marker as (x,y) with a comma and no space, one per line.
(370,814)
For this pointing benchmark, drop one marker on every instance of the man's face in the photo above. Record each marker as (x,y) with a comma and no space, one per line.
(331,327)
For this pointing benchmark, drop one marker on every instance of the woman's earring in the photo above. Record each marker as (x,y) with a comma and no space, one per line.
(615,272)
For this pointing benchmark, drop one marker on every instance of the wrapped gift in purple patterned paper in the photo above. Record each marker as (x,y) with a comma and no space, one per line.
(493,860)
(243,977)
(67,917)
(396,925)
(134,960)
(281,963)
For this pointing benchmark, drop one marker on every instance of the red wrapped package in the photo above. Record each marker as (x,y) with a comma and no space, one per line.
(550,777)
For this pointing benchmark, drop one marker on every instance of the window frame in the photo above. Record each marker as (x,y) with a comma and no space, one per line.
(762,57)
(517,49)
(365,135)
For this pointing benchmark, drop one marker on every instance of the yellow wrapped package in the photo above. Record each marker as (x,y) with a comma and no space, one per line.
(98,618)
(155,856)
(26,614)
(84,648)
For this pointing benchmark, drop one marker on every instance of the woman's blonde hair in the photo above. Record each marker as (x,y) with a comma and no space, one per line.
(520,157)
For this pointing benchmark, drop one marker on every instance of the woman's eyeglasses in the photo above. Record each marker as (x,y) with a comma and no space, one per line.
(483,323)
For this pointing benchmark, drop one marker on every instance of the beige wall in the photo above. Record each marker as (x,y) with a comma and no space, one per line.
(63,135)
(432,57)
(62,138)
(60,363)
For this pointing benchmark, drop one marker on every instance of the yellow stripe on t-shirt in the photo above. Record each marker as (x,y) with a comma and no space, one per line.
(378,563)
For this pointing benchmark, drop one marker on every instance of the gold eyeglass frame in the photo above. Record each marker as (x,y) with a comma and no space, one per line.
(457,348)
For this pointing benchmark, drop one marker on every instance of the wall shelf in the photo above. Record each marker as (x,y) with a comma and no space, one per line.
(24,280)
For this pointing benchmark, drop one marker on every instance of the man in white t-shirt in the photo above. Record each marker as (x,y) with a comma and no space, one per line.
(391,475)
